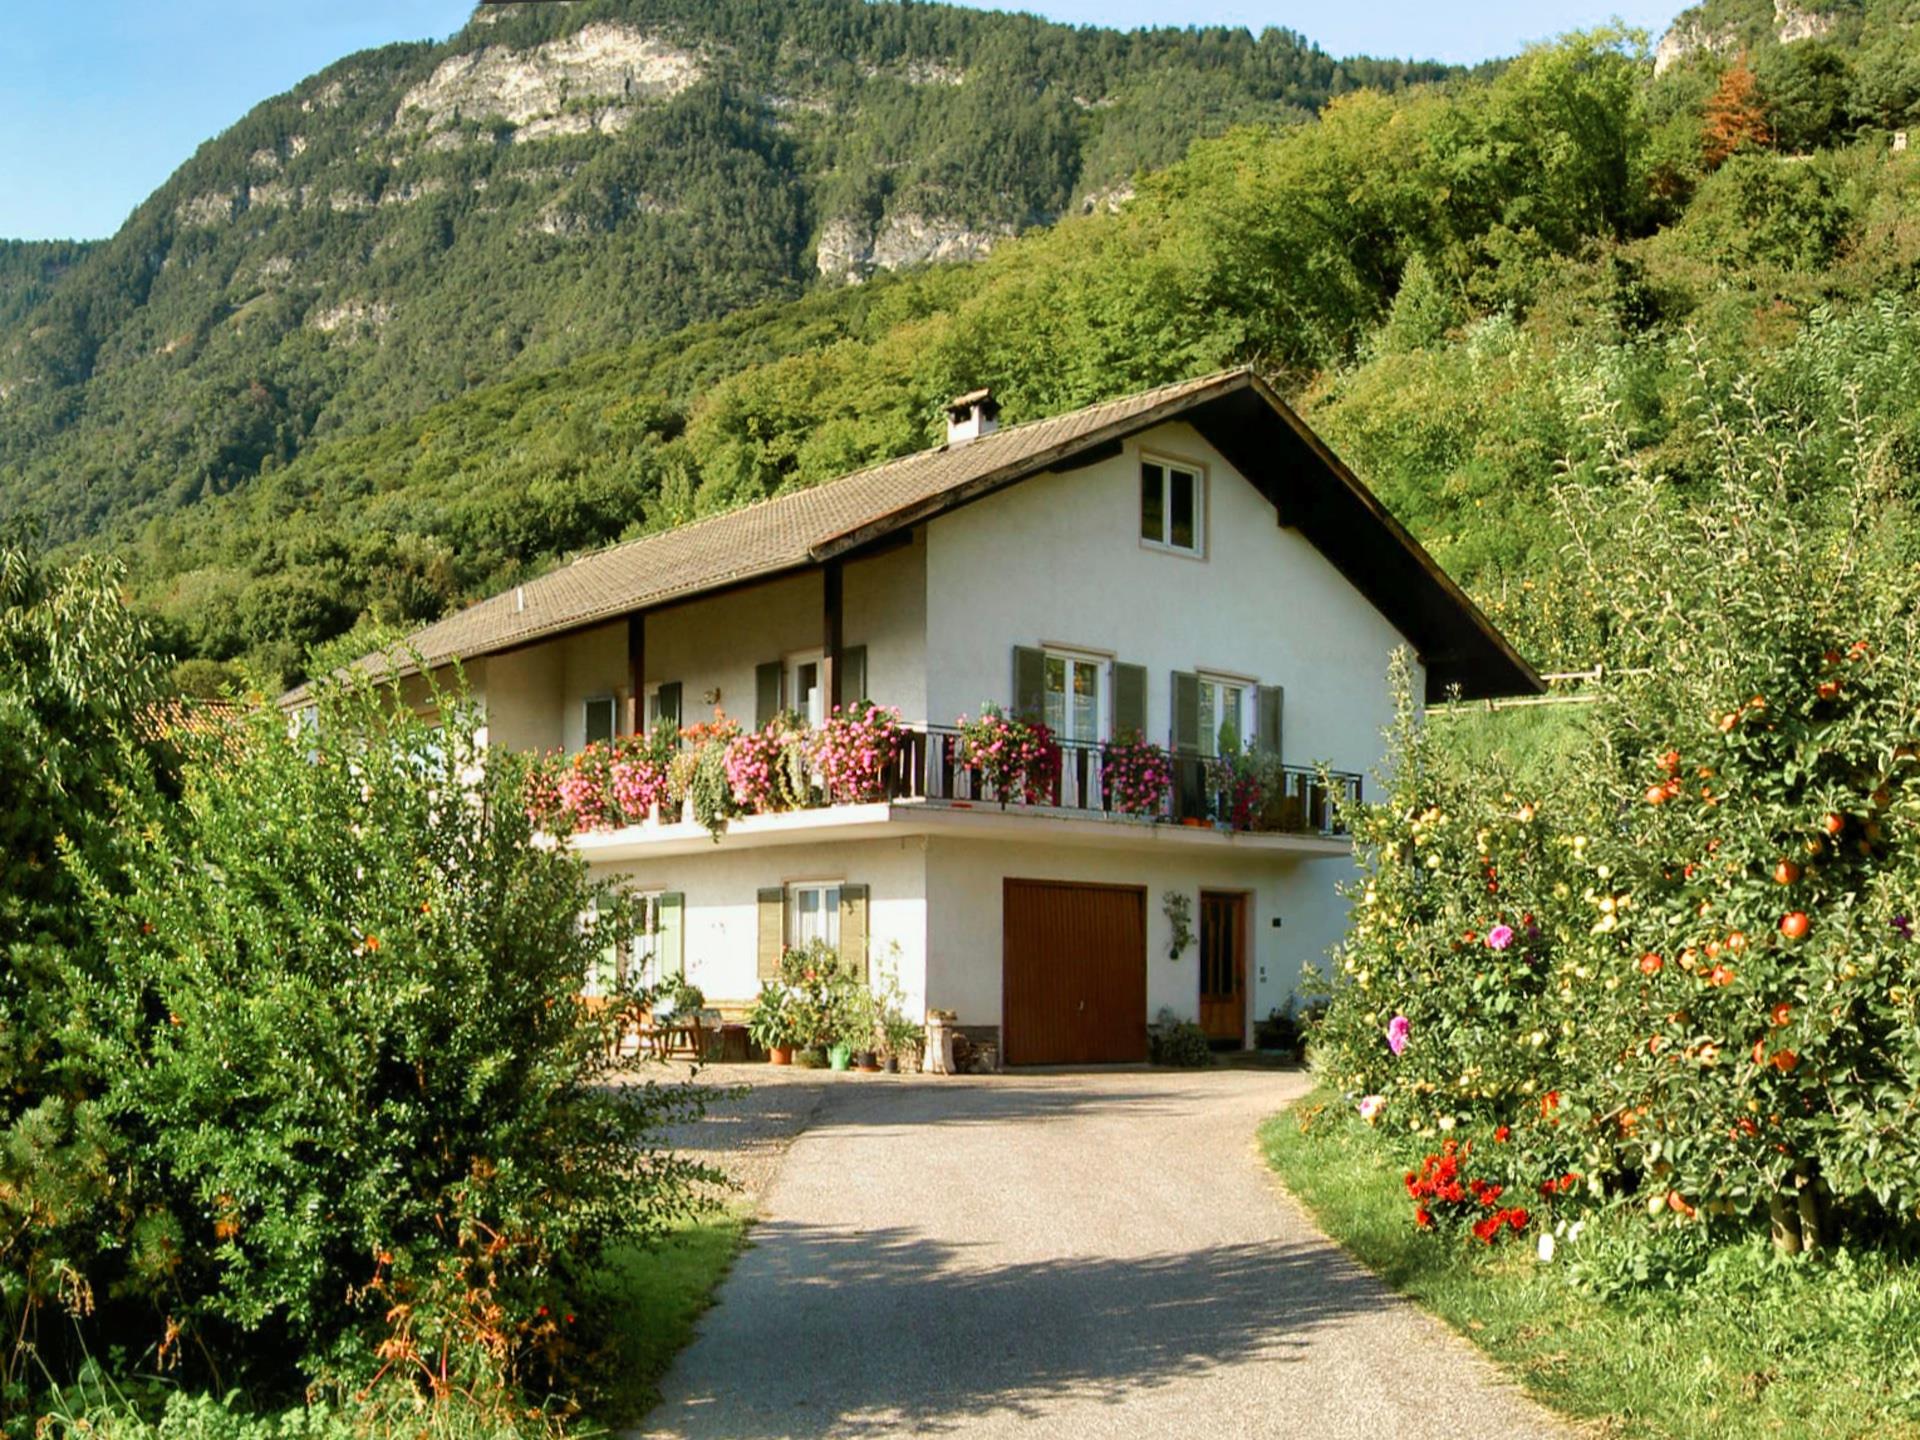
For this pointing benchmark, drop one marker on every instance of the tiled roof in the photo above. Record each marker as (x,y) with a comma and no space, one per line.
(772,535)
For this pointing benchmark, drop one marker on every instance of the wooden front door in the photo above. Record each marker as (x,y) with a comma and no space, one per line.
(1223,967)
(1074,968)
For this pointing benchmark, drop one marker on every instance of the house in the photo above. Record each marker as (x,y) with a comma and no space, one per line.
(1190,564)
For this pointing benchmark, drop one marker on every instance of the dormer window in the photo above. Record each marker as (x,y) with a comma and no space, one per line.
(1171,501)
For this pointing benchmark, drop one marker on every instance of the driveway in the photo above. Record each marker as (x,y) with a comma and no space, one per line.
(1062,1255)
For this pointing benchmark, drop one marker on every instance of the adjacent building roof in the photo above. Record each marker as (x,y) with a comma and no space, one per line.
(1236,411)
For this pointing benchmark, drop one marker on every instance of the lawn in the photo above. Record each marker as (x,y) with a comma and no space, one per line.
(661,1292)
(1746,1345)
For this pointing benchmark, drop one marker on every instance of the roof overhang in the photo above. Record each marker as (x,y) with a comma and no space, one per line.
(1312,491)
(1310,488)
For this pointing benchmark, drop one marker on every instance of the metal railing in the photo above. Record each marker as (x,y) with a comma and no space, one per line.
(932,766)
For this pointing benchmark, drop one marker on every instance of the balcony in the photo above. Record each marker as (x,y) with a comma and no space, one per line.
(927,787)
(931,769)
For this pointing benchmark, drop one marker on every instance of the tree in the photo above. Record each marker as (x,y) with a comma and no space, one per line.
(1735,117)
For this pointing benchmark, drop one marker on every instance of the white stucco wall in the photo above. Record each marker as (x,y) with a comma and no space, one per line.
(1058,560)
(965,915)
(722,906)
(523,690)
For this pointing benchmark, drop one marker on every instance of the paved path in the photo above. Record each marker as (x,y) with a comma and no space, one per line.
(1062,1255)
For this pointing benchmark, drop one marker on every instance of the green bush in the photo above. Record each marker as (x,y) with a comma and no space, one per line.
(1688,975)
(1180,1043)
(360,1122)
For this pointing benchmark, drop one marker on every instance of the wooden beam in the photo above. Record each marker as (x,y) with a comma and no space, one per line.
(832,588)
(636,671)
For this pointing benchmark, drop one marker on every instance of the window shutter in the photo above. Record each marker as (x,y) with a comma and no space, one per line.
(853,930)
(1186,713)
(670,940)
(1269,706)
(850,676)
(766,693)
(666,705)
(1029,683)
(773,932)
(606,971)
(1129,700)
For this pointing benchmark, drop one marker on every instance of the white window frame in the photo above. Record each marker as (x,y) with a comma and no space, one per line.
(642,955)
(815,715)
(1244,722)
(1102,687)
(612,702)
(830,914)
(1168,466)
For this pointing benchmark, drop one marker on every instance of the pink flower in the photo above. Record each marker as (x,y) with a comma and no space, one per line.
(1499,937)
(1371,1106)
(1398,1030)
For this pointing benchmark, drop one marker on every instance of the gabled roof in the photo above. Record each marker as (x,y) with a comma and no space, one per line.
(1237,412)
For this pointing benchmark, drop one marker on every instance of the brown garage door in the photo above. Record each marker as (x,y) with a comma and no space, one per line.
(1075,973)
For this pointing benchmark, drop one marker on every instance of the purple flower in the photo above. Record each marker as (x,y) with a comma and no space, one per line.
(1398,1029)
(1499,937)
(1904,925)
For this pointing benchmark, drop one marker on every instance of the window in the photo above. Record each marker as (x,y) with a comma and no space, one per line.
(663,705)
(599,718)
(813,913)
(1072,697)
(804,693)
(1171,497)
(643,952)
(1226,718)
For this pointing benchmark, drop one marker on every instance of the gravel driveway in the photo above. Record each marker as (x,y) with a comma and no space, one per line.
(1061,1255)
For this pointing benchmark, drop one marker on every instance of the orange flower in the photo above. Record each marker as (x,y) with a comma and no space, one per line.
(1650,963)
(372,943)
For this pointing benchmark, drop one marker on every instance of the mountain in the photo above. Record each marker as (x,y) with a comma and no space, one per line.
(556,180)
(1471,287)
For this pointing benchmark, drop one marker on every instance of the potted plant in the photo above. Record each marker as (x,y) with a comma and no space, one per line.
(904,1040)
(859,1023)
(1013,759)
(770,1023)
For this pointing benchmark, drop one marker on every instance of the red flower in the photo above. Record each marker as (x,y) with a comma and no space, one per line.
(1500,1135)
(1518,1218)
(1422,1217)
(1486,1229)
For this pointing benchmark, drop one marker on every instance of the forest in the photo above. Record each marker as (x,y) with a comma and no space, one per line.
(1451,278)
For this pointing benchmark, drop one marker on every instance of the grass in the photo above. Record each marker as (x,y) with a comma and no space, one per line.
(1748,1345)
(650,1297)
(658,1294)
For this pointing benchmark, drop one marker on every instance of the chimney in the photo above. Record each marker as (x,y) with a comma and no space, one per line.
(970,416)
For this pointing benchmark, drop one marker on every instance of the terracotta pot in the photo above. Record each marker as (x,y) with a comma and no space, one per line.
(780,1054)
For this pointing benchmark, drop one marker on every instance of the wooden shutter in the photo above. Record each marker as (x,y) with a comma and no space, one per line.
(1269,707)
(670,939)
(766,693)
(853,930)
(1129,700)
(1186,713)
(666,705)
(850,676)
(773,932)
(606,970)
(1029,683)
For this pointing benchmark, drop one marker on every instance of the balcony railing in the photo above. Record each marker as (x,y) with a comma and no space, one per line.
(931,767)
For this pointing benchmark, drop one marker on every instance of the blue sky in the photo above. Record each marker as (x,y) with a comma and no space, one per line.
(101,99)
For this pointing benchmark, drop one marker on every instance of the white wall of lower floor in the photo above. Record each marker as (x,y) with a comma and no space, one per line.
(936,912)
